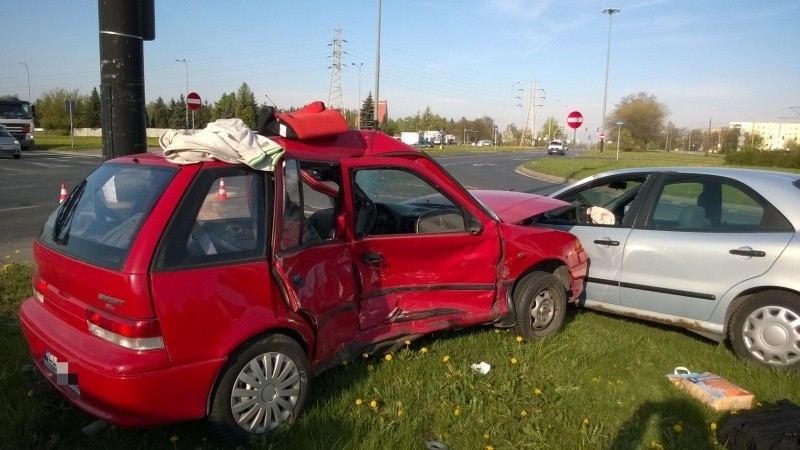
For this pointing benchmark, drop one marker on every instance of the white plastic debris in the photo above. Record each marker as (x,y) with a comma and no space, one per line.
(482,368)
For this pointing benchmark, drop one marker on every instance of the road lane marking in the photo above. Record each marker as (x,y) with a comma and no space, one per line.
(19,207)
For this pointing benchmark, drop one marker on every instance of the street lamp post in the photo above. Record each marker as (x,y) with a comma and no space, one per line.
(610,12)
(27,72)
(619,135)
(465,136)
(358,121)
(186,99)
(378,67)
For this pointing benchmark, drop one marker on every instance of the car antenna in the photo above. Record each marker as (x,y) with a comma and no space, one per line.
(270,100)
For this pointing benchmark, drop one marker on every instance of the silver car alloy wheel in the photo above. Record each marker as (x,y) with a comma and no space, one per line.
(265,392)
(542,310)
(772,334)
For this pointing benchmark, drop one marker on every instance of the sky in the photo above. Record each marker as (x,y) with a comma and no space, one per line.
(708,62)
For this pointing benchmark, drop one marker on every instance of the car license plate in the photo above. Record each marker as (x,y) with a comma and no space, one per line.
(61,371)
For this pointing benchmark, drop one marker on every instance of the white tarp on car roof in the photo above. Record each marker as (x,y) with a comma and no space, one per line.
(228,140)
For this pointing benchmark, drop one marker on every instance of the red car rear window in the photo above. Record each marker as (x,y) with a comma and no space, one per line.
(99,220)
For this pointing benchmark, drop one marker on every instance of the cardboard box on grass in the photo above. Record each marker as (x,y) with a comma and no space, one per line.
(713,390)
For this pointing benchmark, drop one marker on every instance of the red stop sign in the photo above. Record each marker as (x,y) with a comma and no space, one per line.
(193,101)
(574,119)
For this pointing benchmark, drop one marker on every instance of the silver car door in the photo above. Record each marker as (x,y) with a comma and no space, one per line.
(686,258)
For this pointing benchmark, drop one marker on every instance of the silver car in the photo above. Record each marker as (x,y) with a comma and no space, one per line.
(712,250)
(9,146)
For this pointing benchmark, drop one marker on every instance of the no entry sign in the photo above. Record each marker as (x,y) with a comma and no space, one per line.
(193,101)
(574,119)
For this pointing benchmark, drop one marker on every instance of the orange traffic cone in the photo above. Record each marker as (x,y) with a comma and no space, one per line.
(222,194)
(63,195)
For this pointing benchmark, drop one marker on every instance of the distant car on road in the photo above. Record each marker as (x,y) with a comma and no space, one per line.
(484,143)
(9,145)
(556,148)
(712,250)
(423,144)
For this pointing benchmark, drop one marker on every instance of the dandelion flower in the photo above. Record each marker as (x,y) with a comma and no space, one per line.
(496,330)
(513,360)
(446,358)
(519,338)
(713,426)
(369,367)
(489,447)
(173,439)
(359,402)
(486,435)
(365,355)
(423,350)
(457,411)
(678,428)
(537,391)
(344,362)
(388,357)
(373,404)
(16,252)
(586,421)
(523,413)
(408,342)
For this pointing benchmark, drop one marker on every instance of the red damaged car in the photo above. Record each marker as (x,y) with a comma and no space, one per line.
(167,292)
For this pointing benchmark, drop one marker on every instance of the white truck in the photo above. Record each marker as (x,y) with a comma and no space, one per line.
(17,117)
(409,137)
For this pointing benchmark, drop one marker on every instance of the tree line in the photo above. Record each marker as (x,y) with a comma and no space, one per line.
(642,115)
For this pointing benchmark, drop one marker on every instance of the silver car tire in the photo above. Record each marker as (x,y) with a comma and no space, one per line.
(766,330)
(541,305)
(262,387)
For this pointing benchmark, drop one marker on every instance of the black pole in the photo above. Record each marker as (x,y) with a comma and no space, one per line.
(124,24)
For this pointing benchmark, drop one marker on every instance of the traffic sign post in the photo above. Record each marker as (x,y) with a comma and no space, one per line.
(574,120)
(193,102)
(620,123)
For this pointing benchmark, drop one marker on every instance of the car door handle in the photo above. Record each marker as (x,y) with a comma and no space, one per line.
(606,241)
(372,259)
(297,281)
(747,251)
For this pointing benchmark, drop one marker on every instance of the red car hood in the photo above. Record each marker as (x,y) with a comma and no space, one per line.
(513,207)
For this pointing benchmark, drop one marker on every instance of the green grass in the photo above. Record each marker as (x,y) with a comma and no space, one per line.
(48,141)
(600,383)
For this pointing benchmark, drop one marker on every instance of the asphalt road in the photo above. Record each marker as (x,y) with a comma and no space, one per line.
(30,187)
(29,192)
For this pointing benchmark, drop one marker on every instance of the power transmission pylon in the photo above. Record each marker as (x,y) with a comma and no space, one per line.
(530,115)
(335,94)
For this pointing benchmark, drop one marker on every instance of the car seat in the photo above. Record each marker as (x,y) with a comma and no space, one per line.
(693,217)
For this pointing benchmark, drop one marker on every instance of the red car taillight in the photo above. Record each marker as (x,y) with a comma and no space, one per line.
(39,288)
(132,334)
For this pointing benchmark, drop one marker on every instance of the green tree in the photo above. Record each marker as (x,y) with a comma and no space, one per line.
(50,109)
(246,106)
(552,129)
(643,117)
(225,108)
(367,119)
(203,115)
(177,113)
(89,110)
(158,114)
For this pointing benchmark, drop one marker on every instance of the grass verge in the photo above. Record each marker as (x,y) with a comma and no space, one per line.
(600,383)
(46,141)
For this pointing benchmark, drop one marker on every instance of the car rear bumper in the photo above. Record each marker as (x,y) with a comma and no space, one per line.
(124,387)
